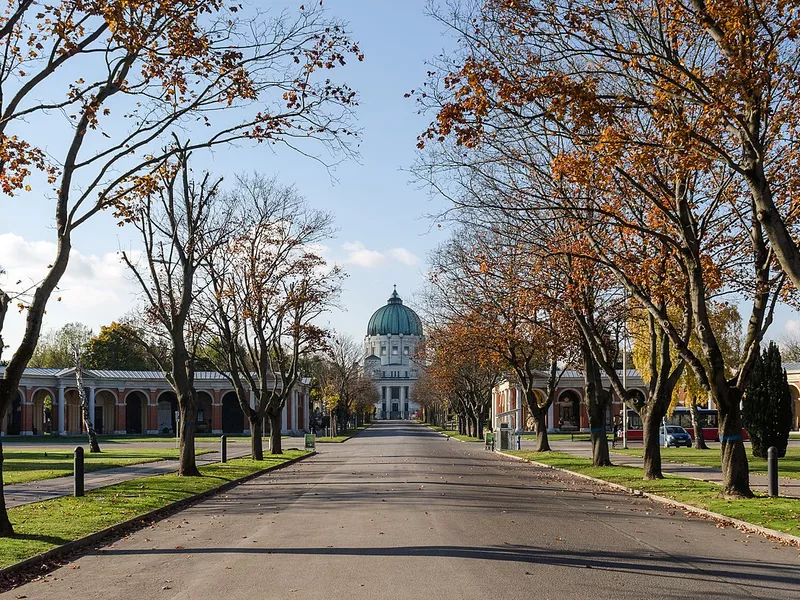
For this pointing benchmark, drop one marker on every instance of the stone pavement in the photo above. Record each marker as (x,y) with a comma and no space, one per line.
(47,489)
(401,512)
(788,487)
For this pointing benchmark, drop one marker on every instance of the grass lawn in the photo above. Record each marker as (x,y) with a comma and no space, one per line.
(21,466)
(44,525)
(789,466)
(781,514)
(560,437)
(344,437)
(9,442)
(454,434)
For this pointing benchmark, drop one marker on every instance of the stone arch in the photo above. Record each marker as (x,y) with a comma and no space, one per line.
(73,420)
(12,420)
(232,417)
(136,412)
(569,409)
(166,406)
(44,410)
(795,392)
(105,411)
(203,421)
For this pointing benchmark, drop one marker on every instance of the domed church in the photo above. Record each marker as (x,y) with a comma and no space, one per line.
(393,333)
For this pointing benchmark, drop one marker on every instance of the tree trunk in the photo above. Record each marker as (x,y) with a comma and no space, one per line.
(699,441)
(480,428)
(735,470)
(94,446)
(6,530)
(187,466)
(256,436)
(542,442)
(596,399)
(275,432)
(651,423)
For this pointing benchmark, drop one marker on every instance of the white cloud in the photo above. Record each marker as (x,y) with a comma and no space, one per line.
(404,255)
(358,254)
(793,326)
(94,290)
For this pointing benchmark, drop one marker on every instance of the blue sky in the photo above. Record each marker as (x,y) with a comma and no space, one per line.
(383,234)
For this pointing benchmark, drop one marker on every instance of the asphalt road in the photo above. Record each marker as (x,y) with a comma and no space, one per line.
(401,512)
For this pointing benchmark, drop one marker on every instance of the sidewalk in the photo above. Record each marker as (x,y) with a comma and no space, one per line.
(47,489)
(787,487)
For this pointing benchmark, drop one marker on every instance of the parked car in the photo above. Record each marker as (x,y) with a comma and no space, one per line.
(675,435)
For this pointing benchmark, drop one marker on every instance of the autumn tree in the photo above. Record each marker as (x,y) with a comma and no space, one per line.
(614,138)
(267,289)
(108,81)
(513,303)
(112,349)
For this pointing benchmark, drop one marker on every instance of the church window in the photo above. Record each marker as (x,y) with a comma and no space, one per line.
(394,350)
(383,350)
(405,350)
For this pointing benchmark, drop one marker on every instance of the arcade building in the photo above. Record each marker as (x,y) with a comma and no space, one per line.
(393,333)
(135,402)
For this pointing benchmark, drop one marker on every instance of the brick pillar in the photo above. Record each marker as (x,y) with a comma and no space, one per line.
(152,412)
(120,420)
(216,412)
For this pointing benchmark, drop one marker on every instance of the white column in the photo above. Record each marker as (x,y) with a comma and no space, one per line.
(306,411)
(295,424)
(91,405)
(252,399)
(550,413)
(283,417)
(61,411)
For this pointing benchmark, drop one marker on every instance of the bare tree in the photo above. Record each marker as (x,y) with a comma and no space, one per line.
(180,224)
(268,286)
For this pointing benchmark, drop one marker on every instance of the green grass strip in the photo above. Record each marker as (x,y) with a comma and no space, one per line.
(789,466)
(344,437)
(22,466)
(453,433)
(42,526)
(780,514)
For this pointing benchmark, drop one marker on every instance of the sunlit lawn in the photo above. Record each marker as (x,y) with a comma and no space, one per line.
(788,466)
(43,525)
(21,466)
(781,514)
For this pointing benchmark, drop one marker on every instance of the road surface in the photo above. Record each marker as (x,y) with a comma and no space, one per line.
(402,512)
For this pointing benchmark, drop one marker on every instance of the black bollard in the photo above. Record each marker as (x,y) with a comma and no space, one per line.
(772,471)
(78,470)
(223,449)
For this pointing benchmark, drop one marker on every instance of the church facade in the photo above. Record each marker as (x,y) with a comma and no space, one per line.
(393,333)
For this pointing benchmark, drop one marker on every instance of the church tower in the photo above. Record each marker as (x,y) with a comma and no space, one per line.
(393,333)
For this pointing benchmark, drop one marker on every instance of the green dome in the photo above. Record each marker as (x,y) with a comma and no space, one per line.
(394,319)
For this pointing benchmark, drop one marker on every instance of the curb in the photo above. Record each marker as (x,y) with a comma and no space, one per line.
(132,524)
(701,512)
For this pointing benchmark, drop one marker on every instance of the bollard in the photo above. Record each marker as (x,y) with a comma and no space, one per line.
(519,442)
(223,448)
(772,471)
(78,472)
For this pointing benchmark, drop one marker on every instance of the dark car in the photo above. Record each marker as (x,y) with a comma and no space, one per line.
(677,436)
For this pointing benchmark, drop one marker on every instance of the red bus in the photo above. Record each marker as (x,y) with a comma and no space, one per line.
(708,417)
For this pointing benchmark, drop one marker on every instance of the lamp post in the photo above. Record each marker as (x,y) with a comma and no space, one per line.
(624,373)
